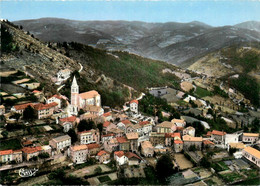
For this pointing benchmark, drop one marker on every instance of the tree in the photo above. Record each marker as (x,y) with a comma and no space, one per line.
(86,125)
(16,116)
(44,155)
(73,135)
(98,170)
(29,113)
(81,111)
(100,128)
(4,134)
(204,162)
(63,103)
(164,167)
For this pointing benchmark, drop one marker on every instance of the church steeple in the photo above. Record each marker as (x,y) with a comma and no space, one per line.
(74,82)
(74,93)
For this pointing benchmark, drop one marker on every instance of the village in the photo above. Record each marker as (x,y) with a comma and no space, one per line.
(99,144)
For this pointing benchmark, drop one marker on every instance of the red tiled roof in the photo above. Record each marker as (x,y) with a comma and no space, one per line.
(178,141)
(134,101)
(172,135)
(23,106)
(121,139)
(41,106)
(219,133)
(106,124)
(28,142)
(92,146)
(209,133)
(89,94)
(131,155)
(101,153)
(30,150)
(36,91)
(179,128)
(5,152)
(107,114)
(207,142)
(56,96)
(68,119)
(126,121)
(106,135)
(144,122)
(119,153)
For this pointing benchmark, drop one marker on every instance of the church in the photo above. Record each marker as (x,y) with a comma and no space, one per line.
(82,100)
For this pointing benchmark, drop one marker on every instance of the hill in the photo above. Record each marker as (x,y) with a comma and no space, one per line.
(171,42)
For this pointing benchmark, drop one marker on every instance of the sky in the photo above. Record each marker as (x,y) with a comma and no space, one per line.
(212,12)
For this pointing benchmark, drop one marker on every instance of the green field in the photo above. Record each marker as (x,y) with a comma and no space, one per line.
(103,179)
(13,144)
(201,92)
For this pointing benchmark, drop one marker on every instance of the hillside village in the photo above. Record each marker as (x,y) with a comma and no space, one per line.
(207,131)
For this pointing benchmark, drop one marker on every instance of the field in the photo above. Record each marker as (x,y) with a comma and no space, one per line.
(13,144)
(104,179)
(183,162)
(201,92)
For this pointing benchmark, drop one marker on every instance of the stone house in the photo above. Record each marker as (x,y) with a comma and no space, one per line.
(107,116)
(218,137)
(189,141)
(252,155)
(120,157)
(134,106)
(30,152)
(94,110)
(145,128)
(133,140)
(166,127)
(157,138)
(132,158)
(103,156)
(68,123)
(250,137)
(178,145)
(93,149)
(189,131)
(55,98)
(11,155)
(124,145)
(78,153)
(111,145)
(45,111)
(90,136)
(147,149)
(60,143)
(179,122)
(208,144)
(122,125)
(107,125)
(107,137)
(169,138)
(117,132)
(20,108)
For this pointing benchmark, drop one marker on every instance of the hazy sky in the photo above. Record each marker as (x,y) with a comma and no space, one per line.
(215,13)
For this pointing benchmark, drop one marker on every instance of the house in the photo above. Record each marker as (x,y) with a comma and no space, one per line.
(133,159)
(178,145)
(218,137)
(60,143)
(250,137)
(107,125)
(111,145)
(6,156)
(179,122)
(95,110)
(30,152)
(55,98)
(78,153)
(146,128)
(47,149)
(123,125)
(93,149)
(68,123)
(166,127)
(124,145)
(238,145)
(147,149)
(169,138)
(231,138)
(133,140)
(2,109)
(134,106)
(120,157)
(252,155)
(45,111)
(157,138)
(117,132)
(103,156)
(189,131)
(81,100)
(20,108)
(189,141)
(90,136)
(107,116)
(18,156)
(208,144)
(107,137)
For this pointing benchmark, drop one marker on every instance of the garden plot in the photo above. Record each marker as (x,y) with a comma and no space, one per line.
(182,161)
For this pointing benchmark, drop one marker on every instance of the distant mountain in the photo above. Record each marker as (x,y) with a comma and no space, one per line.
(171,42)
(250,25)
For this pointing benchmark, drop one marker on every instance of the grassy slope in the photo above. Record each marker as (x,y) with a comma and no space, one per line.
(129,69)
